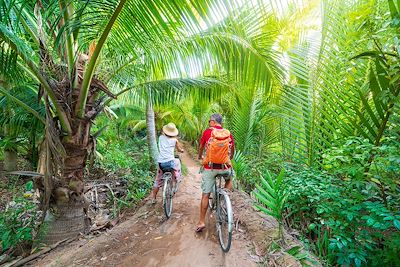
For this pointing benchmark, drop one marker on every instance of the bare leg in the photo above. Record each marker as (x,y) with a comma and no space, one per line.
(203,209)
(154,192)
(156,184)
(228,184)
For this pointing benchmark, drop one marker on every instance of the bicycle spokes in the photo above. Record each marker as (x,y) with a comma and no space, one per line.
(224,221)
(168,193)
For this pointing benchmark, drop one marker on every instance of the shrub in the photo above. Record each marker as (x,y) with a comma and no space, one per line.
(19,221)
(343,221)
(128,157)
(248,170)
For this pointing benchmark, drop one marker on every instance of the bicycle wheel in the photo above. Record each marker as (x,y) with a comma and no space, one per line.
(224,220)
(168,192)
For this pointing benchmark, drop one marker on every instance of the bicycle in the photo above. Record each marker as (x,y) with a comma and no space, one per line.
(221,204)
(170,187)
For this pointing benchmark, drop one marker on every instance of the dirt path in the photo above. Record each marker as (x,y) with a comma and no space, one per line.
(147,239)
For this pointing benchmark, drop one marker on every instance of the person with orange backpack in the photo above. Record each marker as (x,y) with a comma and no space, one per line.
(220,148)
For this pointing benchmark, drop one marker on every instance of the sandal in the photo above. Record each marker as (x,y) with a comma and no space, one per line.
(199,229)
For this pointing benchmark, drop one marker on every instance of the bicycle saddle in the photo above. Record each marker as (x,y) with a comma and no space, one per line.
(225,175)
(167,169)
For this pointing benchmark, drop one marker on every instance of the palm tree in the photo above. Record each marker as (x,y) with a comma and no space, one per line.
(234,49)
(22,129)
(341,80)
(67,86)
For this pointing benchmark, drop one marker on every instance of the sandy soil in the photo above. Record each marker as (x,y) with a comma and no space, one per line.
(148,239)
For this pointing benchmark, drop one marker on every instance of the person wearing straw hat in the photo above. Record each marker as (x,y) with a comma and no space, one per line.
(167,142)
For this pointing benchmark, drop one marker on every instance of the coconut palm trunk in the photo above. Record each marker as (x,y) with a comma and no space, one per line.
(10,150)
(10,155)
(66,211)
(10,160)
(151,132)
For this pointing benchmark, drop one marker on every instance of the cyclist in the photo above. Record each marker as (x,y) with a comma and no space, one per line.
(211,170)
(167,142)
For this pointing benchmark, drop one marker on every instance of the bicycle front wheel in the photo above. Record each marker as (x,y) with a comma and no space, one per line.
(168,192)
(224,220)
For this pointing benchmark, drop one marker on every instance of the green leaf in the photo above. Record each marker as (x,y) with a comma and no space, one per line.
(269,203)
(396,224)
(370,221)
(29,186)
(368,54)
(311,226)
(268,185)
(376,225)
(294,250)
(388,218)
(264,210)
(393,9)
(5,238)
(350,216)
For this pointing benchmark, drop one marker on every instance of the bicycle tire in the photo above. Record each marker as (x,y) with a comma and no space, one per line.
(224,220)
(167,195)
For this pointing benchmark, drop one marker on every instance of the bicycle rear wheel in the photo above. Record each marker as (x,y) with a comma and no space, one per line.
(168,192)
(224,220)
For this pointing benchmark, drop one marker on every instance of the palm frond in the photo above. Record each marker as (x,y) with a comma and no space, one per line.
(23,115)
(335,93)
(271,195)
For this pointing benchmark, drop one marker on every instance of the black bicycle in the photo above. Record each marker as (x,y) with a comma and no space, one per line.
(220,202)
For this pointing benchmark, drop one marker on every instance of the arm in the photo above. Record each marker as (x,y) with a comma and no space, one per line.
(179,147)
(232,148)
(201,149)
(203,140)
(202,145)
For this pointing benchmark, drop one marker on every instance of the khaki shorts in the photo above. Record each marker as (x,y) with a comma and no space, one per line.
(208,178)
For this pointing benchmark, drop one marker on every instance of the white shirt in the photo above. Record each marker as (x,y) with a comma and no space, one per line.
(166,147)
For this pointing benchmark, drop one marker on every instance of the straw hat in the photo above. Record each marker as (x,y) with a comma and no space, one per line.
(170,129)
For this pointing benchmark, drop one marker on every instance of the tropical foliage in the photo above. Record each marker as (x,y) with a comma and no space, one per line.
(67,49)
(19,221)
(311,87)
(272,194)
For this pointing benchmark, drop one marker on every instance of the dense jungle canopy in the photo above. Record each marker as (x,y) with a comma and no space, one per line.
(309,89)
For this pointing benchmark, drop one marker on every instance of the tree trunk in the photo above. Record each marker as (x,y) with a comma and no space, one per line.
(65,217)
(151,133)
(33,150)
(10,153)
(10,160)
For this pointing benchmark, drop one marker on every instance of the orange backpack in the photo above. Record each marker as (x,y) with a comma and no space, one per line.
(218,147)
